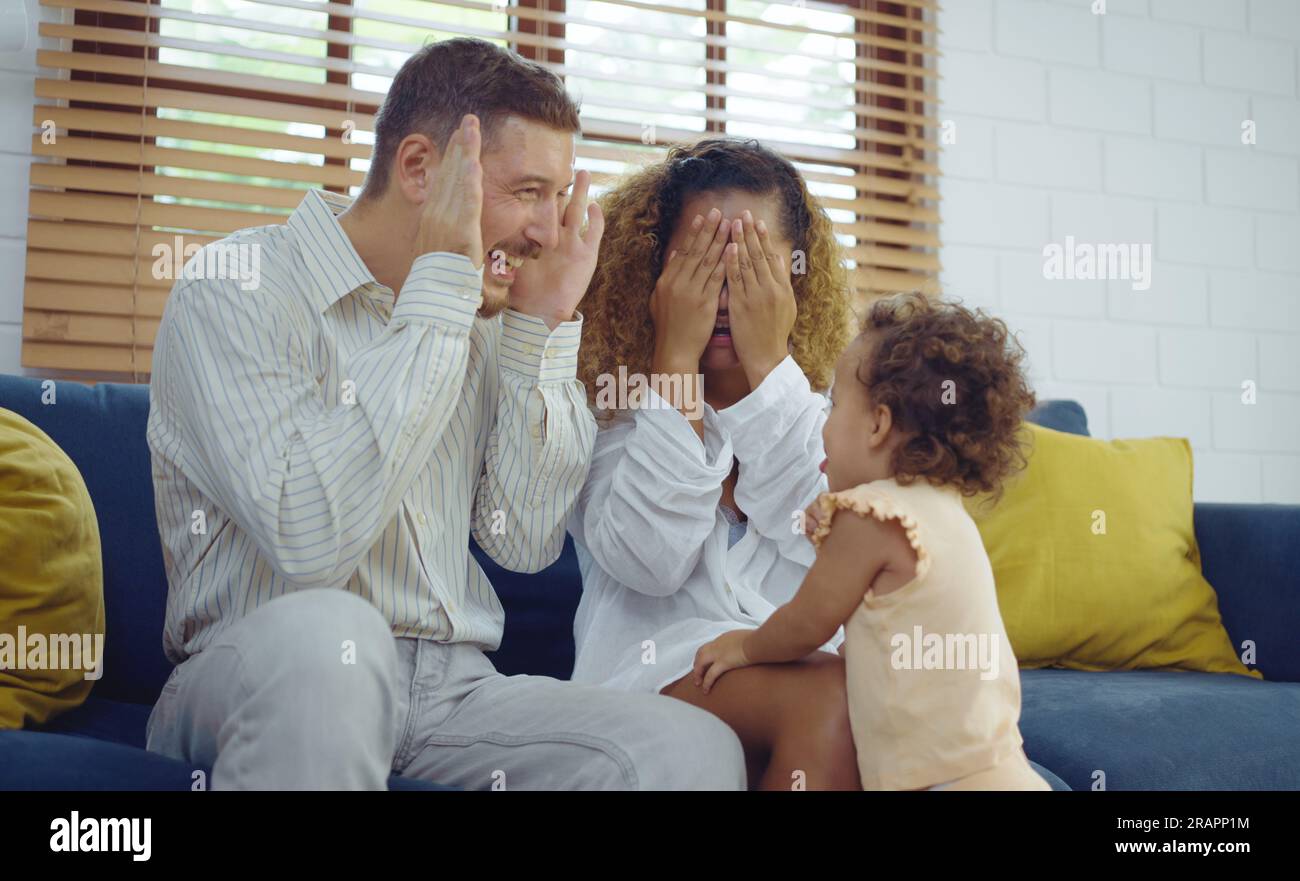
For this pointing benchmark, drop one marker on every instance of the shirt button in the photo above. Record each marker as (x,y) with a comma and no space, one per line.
(420,516)
(550,353)
(531,350)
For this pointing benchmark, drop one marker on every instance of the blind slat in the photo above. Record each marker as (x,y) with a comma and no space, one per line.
(96,239)
(129,210)
(346,38)
(110,180)
(101,299)
(173,126)
(81,327)
(93,358)
(136,153)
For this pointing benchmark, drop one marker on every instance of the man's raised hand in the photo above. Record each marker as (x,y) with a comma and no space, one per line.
(453,206)
(551,284)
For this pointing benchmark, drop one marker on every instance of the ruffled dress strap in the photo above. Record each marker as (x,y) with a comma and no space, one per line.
(878,499)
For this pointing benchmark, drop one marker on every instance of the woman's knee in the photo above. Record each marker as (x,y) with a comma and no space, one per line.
(817,722)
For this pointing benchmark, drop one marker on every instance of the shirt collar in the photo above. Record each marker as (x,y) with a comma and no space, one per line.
(335,267)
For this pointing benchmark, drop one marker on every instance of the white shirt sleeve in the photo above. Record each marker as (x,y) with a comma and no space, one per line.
(651,498)
(539,448)
(776,431)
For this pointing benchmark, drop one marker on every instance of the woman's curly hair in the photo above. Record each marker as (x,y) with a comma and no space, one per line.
(640,216)
(953,382)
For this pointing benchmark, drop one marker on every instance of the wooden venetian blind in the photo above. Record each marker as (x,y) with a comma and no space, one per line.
(164,124)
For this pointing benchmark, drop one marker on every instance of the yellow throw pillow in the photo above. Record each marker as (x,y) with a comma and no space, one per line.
(51,579)
(1096,560)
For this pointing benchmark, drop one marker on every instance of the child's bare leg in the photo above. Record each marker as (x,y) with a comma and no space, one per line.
(789,718)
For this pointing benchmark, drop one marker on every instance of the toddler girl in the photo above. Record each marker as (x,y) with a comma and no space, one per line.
(927,406)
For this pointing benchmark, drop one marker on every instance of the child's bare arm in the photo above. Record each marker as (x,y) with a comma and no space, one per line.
(857,550)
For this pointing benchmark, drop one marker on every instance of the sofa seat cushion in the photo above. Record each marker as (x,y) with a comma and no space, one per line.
(40,760)
(1148,729)
(103,719)
(32,760)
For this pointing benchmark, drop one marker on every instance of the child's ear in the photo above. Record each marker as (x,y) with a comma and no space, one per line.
(882,421)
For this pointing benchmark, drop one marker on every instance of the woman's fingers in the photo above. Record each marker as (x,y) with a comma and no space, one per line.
(757,254)
(713,286)
(735,279)
(683,263)
(738,236)
(774,261)
(702,236)
(712,255)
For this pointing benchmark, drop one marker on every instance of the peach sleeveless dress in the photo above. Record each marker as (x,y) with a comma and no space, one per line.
(933,685)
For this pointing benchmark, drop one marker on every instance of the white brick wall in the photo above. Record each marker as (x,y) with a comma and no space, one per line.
(1127,128)
(17,95)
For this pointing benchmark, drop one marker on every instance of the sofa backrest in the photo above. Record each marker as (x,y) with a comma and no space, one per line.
(102,429)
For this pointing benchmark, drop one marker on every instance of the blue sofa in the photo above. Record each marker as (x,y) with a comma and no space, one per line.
(1145,730)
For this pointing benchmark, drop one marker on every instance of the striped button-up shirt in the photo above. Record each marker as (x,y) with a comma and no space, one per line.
(317,431)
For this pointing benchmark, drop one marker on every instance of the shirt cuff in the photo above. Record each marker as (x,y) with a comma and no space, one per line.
(442,288)
(531,348)
(760,419)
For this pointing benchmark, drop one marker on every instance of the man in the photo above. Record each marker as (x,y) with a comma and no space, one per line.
(323,447)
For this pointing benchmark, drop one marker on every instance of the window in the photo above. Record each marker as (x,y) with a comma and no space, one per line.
(168,123)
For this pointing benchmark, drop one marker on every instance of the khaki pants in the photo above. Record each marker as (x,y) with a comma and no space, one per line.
(311,691)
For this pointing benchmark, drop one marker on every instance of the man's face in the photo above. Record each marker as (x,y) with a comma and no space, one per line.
(527,177)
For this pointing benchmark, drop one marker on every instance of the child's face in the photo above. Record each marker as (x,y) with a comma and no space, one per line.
(858,436)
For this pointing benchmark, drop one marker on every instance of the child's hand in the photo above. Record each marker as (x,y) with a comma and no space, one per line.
(812,518)
(727,652)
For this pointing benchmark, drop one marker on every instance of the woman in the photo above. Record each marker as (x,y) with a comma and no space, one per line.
(715,263)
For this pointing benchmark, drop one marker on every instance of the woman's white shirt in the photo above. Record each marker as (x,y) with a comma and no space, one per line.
(659,579)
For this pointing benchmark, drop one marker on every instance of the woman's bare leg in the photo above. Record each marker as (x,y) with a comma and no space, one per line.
(789,717)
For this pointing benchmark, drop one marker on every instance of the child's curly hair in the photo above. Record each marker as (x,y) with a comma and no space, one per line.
(952,380)
(640,215)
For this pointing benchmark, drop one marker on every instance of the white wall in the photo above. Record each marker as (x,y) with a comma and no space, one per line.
(1126,128)
(17,95)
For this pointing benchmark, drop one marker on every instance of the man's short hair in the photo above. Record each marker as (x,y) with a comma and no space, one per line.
(443,81)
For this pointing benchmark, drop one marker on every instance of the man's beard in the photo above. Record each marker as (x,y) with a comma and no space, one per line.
(496,296)
(495,300)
